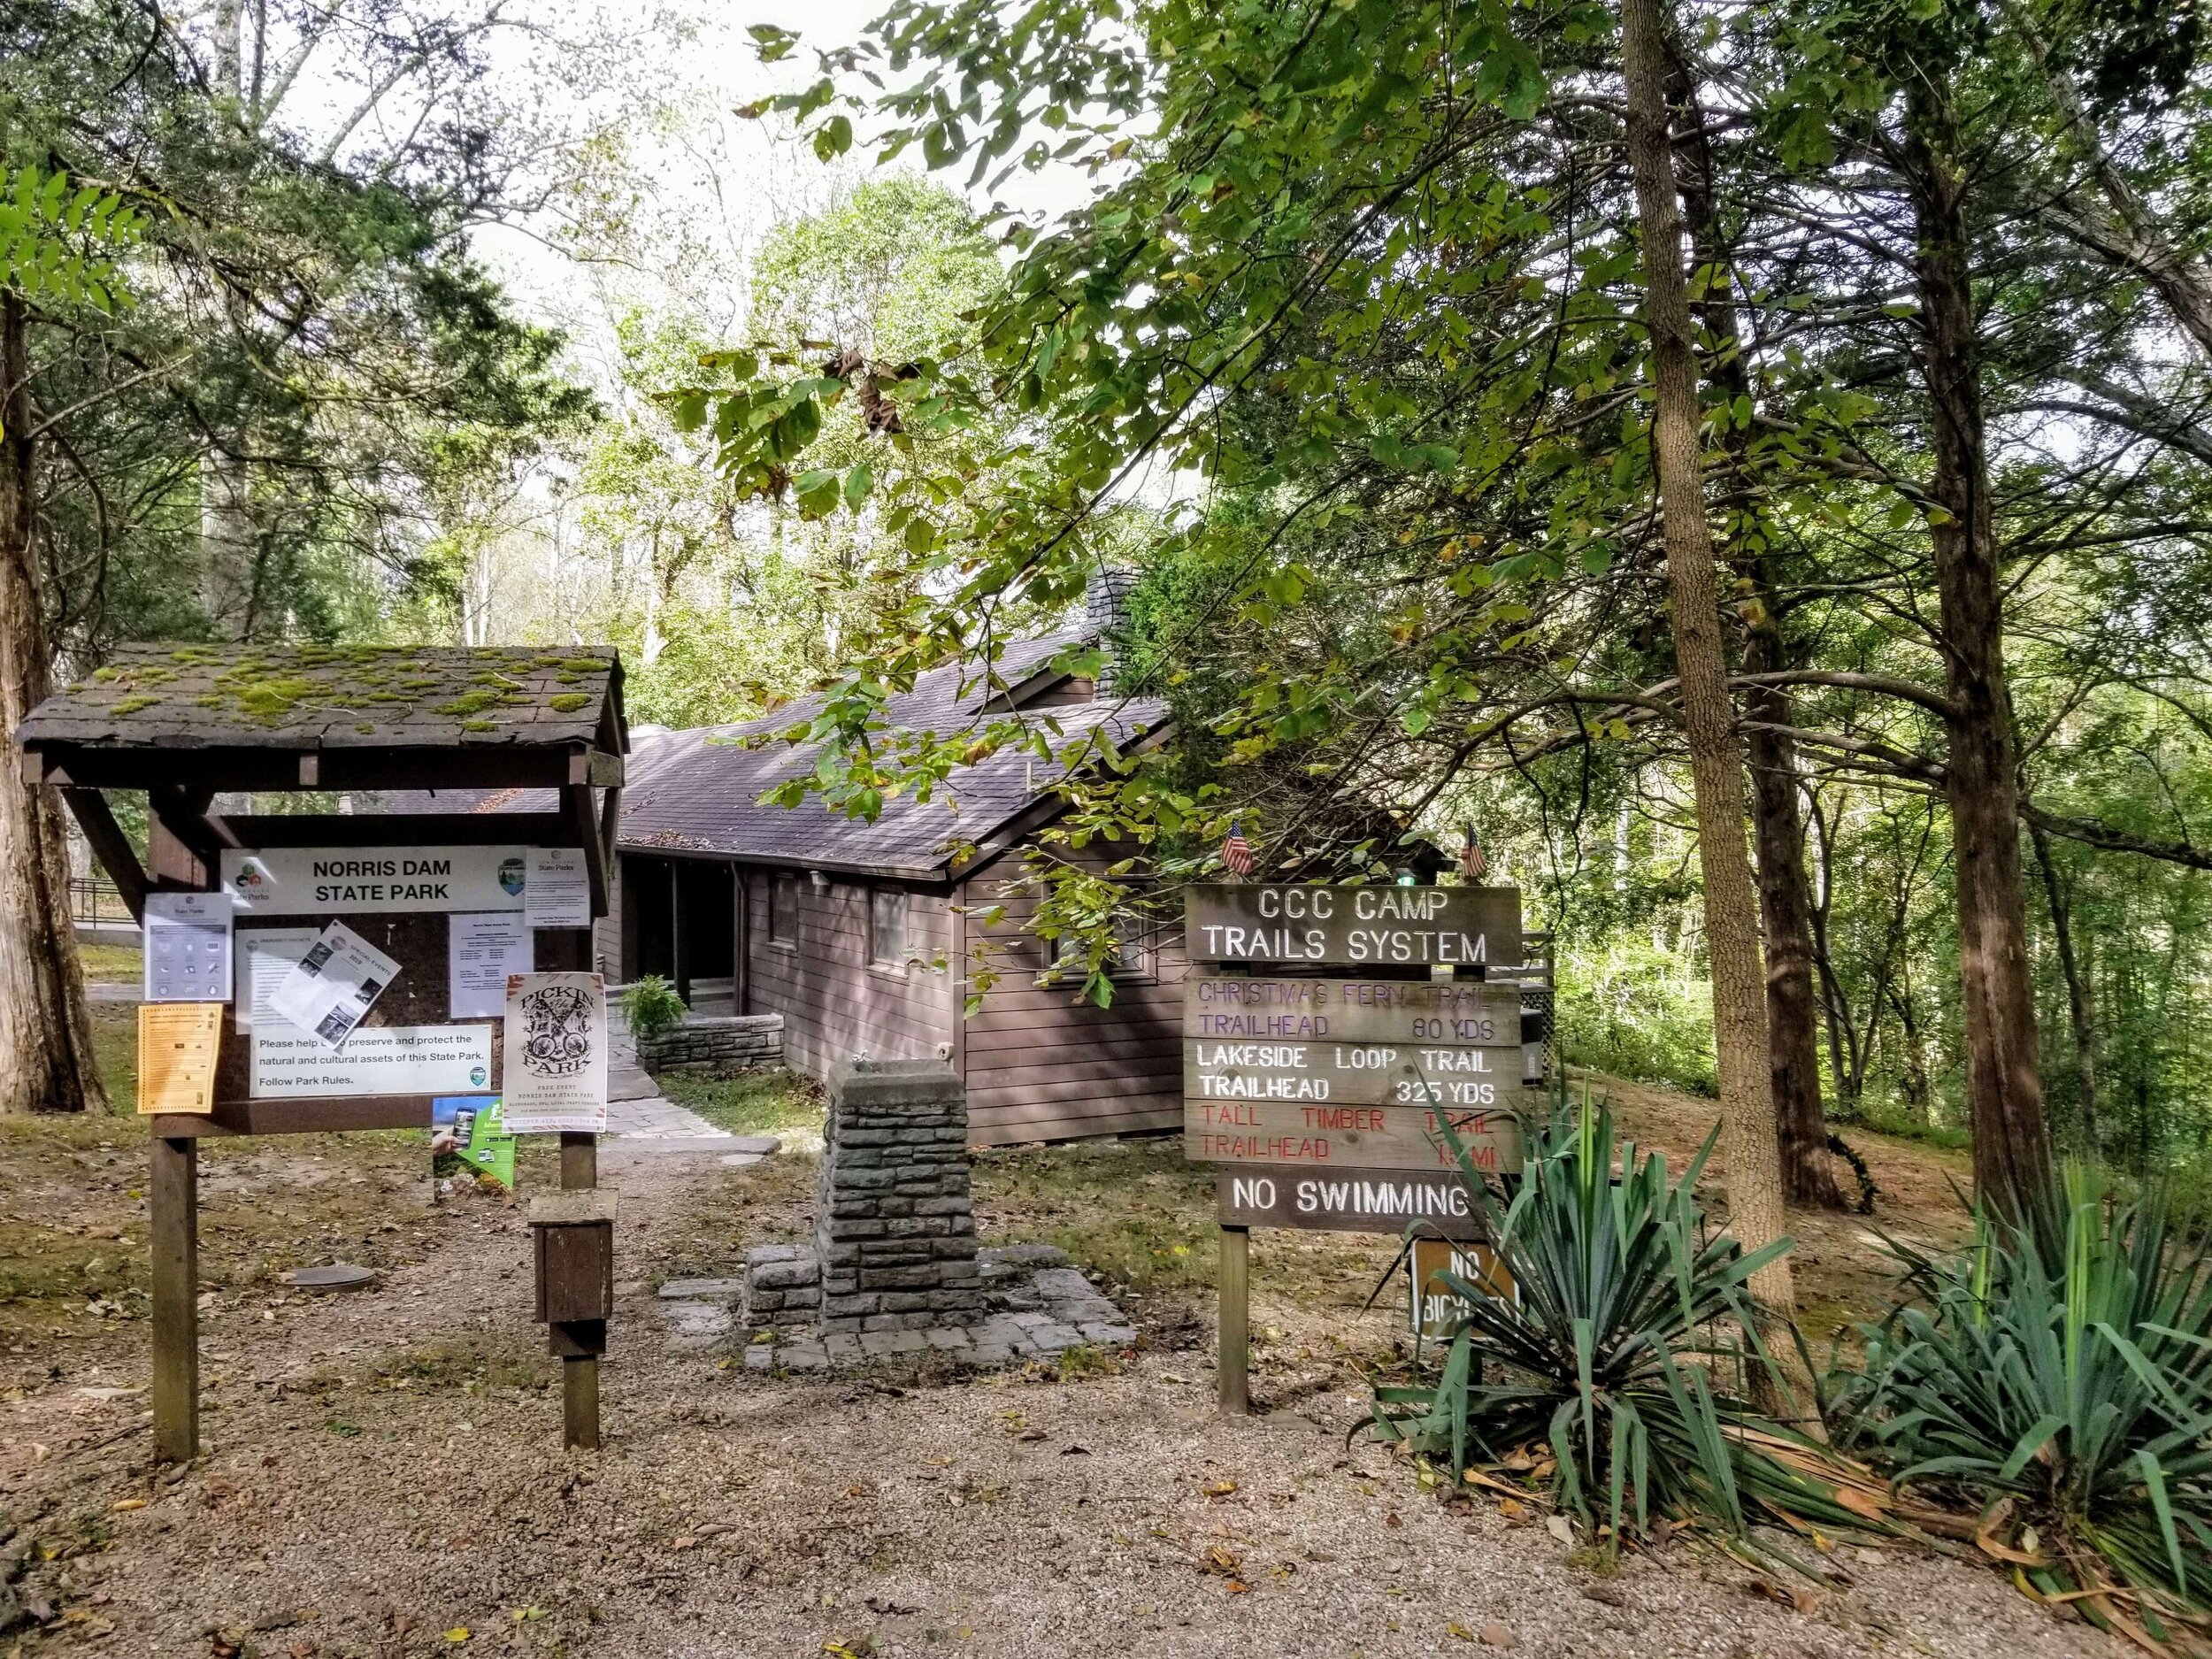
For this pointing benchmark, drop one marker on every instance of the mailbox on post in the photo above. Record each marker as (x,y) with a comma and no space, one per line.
(572,1243)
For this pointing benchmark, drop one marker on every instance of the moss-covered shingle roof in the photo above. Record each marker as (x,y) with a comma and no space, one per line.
(331,696)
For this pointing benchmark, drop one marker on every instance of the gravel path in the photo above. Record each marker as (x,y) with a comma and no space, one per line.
(386,1480)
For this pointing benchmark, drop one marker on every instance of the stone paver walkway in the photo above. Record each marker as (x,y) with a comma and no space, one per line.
(641,1119)
(1039,1306)
(626,1080)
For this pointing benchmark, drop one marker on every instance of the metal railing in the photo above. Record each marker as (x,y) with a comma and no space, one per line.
(92,899)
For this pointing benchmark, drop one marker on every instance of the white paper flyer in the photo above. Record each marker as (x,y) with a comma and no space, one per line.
(554,1075)
(188,948)
(334,985)
(264,957)
(557,893)
(483,951)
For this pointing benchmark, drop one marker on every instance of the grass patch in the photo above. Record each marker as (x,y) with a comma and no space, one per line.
(115,1051)
(1903,1125)
(1133,1210)
(111,965)
(755,1103)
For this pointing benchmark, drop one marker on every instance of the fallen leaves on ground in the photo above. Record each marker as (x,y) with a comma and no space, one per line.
(1226,1564)
(1801,1597)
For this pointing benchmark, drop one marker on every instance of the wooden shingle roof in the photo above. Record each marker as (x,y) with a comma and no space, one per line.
(362,705)
(698,792)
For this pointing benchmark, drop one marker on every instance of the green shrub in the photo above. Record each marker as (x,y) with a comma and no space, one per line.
(651,1007)
(2059,1377)
(1633,1012)
(1619,1296)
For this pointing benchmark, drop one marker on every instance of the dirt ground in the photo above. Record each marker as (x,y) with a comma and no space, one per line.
(384,1475)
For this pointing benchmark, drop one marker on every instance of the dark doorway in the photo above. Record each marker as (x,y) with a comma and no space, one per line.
(705,897)
(648,924)
(678,920)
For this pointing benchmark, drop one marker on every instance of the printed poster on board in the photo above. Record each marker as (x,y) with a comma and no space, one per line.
(469,1141)
(483,951)
(334,985)
(554,1072)
(178,1043)
(188,948)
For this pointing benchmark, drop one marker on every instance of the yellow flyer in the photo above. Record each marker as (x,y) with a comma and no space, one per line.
(177,1044)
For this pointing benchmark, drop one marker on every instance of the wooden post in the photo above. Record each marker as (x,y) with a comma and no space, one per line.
(580,1401)
(1234,1369)
(580,1373)
(173,1208)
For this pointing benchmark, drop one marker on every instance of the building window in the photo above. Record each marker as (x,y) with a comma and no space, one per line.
(886,928)
(783,910)
(1131,957)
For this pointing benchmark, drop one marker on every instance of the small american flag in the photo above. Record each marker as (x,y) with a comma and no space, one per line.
(1473,865)
(1236,852)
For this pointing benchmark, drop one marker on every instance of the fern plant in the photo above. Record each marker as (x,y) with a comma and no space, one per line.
(650,1007)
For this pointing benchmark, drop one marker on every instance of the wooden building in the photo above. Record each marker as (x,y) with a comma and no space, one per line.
(861,933)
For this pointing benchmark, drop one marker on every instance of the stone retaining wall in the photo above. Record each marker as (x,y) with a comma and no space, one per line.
(726,1043)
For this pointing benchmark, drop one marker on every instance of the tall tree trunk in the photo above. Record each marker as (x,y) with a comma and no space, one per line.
(2078,1009)
(1916,1086)
(46,1062)
(228,78)
(1809,1175)
(2004,1086)
(1732,904)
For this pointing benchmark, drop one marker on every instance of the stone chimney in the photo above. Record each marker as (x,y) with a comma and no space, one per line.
(1105,614)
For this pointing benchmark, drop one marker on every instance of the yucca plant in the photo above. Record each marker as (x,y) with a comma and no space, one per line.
(1605,1352)
(2059,1377)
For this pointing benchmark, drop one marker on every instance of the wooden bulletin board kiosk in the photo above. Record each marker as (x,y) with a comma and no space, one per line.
(240,900)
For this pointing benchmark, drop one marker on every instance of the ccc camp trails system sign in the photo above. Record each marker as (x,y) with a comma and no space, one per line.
(1342,1073)
(1241,1133)
(1354,1010)
(1367,926)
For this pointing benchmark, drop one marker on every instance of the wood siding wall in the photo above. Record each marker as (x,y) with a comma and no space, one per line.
(1038,1064)
(606,933)
(833,1000)
(1041,1066)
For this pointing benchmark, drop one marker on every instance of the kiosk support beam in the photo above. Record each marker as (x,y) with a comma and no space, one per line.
(174,1207)
(579,1372)
(1234,1369)
(110,846)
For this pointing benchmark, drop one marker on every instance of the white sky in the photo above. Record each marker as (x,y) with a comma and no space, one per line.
(717,184)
